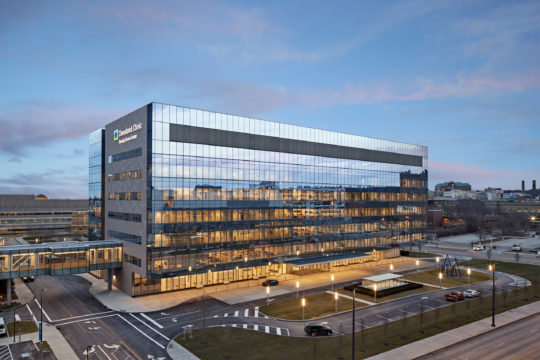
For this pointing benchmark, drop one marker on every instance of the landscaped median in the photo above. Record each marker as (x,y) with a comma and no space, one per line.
(432,277)
(230,343)
(316,305)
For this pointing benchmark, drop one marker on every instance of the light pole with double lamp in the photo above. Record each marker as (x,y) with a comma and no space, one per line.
(375,293)
(332,277)
(303,306)
(492,269)
(437,262)
(417,263)
(41,324)
(468,275)
(336,297)
(297,288)
(440,280)
(267,295)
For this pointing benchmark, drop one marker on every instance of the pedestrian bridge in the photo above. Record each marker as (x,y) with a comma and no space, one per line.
(59,258)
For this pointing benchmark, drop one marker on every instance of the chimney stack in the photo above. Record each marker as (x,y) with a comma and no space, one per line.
(523,186)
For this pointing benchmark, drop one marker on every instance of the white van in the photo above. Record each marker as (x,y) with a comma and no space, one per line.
(2,326)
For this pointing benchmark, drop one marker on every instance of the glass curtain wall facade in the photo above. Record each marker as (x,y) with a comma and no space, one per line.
(95,184)
(229,197)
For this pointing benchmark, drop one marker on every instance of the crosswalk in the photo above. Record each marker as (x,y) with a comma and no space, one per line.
(243,313)
(262,328)
(5,353)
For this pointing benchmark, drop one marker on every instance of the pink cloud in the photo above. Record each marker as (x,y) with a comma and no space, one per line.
(34,122)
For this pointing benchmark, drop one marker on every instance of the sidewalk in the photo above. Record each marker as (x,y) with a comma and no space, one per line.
(451,337)
(24,295)
(59,345)
(243,291)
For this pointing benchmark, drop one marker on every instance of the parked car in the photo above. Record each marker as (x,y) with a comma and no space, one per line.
(2,326)
(479,247)
(28,278)
(317,329)
(454,296)
(270,283)
(470,293)
(516,247)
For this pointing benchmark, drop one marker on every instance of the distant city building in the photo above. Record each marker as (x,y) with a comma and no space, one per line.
(201,198)
(453,185)
(29,213)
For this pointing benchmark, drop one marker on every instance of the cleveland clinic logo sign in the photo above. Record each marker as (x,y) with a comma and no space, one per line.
(123,136)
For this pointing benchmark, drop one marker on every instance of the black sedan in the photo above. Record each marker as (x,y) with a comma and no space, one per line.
(316,329)
(270,283)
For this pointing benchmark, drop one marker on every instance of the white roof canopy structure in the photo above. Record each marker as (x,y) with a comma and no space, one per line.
(383,277)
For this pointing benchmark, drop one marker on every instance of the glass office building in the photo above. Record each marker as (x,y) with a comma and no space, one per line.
(202,198)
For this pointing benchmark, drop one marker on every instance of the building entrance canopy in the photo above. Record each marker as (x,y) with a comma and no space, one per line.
(323,259)
(59,258)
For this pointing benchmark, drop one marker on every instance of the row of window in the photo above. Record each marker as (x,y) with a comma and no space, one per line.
(125,236)
(284,232)
(190,216)
(132,260)
(124,216)
(125,155)
(266,194)
(125,196)
(126,175)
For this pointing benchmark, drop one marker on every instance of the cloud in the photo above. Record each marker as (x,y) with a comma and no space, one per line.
(55,183)
(38,122)
(479,177)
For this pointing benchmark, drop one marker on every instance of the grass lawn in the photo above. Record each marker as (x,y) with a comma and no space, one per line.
(6,307)
(421,290)
(432,277)
(25,326)
(46,346)
(317,305)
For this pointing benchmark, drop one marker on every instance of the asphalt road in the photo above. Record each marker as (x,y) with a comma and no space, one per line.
(523,257)
(519,341)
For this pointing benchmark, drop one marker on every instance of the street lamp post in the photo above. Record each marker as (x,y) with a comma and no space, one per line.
(375,293)
(492,269)
(41,325)
(437,261)
(468,275)
(297,288)
(88,348)
(353,315)
(417,263)
(440,280)
(303,306)
(332,277)
(267,295)
(391,267)
(336,297)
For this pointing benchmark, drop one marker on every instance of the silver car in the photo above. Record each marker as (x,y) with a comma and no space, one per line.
(470,293)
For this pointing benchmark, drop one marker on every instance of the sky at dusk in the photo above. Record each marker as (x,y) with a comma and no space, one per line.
(461,77)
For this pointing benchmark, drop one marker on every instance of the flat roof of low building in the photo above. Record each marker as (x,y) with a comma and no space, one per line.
(383,277)
(323,259)
(62,245)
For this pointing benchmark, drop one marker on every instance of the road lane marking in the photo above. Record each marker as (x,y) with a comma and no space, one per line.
(256,327)
(382,317)
(278,331)
(151,328)
(245,326)
(104,352)
(256,312)
(80,316)
(288,333)
(267,329)
(17,317)
(80,320)
(177,315)
(139,330)
(500,344)
(31,313)
(215,316)
(407,312)
(226,315)
(236,313)
(42,310)
(246,313)
(151,320)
